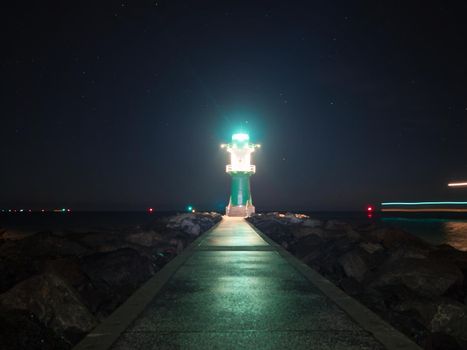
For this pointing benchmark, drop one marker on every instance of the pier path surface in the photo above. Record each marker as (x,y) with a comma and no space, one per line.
(235,289)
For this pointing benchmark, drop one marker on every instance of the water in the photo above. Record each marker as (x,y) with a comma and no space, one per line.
(435,231)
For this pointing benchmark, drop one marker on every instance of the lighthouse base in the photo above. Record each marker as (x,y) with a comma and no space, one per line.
(240,210)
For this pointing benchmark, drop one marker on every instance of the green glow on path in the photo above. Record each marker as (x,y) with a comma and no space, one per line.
(423,203)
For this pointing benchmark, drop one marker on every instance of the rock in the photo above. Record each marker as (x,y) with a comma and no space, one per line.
(353,235)
(440,316)
(116,275)
(43,244)
(145,238)
(279,233)
(351,286)
(371,247)
(312,223)
(68,269)
(14,269)
(306,245)
(193,223)
(54,302)
(391,238)
(354,265)
(450,317)
(426,277)
(293,219)
(301,232)
(22,330)
(397,253)
(333,225)
(448,253)
(441,341)
(16,234)
(191,228)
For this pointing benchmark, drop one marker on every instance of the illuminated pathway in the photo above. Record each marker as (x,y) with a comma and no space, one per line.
(234,290)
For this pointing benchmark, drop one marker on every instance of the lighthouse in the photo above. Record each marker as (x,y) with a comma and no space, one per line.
(240,169)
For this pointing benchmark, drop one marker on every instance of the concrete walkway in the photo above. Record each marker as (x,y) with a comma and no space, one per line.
(235,289)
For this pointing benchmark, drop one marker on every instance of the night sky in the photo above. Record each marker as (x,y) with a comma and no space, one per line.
(122,105)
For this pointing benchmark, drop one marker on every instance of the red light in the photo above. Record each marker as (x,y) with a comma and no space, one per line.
(369,209)
(68,210)
(150,210)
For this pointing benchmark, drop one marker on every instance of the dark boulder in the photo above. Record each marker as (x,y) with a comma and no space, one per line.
(22,330)
(354,264)
(391,237)
(53,302)
(336,225)
(115,275)
(426,277)
(43,244)
(306,245)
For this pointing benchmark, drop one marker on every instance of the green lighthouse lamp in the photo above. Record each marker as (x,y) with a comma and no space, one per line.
(240,169)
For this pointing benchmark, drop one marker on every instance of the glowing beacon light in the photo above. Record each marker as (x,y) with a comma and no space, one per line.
(150,210)
(240,169)
(369,209)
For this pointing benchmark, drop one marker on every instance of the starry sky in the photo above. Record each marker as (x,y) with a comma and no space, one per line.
(122,105)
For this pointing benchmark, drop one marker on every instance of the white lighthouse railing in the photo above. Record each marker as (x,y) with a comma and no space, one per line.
(249,168)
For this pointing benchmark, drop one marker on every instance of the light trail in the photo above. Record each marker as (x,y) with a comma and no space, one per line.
(423,203)
(457,184)
(425,210)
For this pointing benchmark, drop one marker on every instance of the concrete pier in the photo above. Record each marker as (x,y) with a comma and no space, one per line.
(235,289)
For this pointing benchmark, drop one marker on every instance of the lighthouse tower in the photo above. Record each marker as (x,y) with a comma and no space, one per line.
(240,169)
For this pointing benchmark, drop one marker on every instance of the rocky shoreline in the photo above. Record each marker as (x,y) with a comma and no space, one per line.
(420,289)
(57,286)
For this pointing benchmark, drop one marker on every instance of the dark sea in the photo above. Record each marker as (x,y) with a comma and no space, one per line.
(450,229)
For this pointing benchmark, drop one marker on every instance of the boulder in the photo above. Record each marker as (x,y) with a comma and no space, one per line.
(451,254)
(312,223)
(116,275)
(371,247)
(43,244)
(333,225)
(354,264)
(450,317)
(351,286)
(14,234)
(54,302)
(279,233)
(14,269)
(22,330)
(193,223)
(306,245)
(391,238)
(145,238)
(426,277)
(353,235)
(301,232)
(190,227)
(440,316)
(67,268)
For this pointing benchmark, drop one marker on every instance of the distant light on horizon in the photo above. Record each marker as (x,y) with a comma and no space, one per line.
(457,184)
